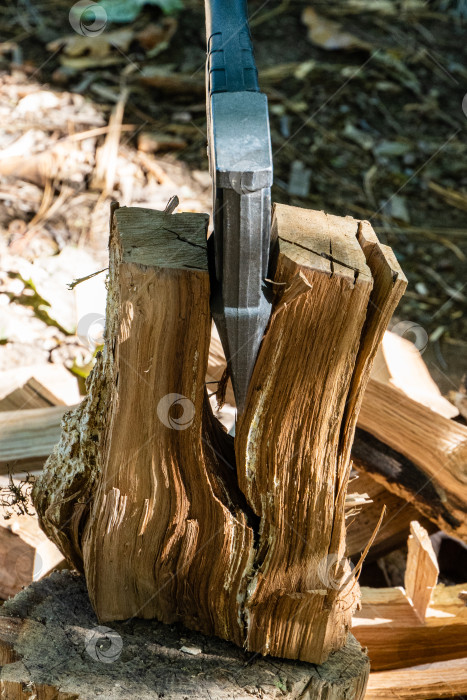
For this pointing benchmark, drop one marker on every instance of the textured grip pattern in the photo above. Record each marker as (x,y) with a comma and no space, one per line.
(231,63)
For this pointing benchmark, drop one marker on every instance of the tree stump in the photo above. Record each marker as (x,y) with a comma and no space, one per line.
(167,515)
(53,648)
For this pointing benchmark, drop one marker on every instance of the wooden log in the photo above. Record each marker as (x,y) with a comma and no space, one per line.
(399,363)
(415,453)
(389,627)
(446,679)
(27,437)
(52,645)
(26,554)
(395,527)
(328,267)
(165,513)
(37,386)
(421,574)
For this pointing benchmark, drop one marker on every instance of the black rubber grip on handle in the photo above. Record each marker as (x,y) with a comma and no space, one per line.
(231,64)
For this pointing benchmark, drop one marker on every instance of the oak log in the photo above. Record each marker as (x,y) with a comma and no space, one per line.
(165,513)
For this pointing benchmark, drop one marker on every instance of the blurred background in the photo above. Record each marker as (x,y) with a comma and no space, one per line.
(102,102)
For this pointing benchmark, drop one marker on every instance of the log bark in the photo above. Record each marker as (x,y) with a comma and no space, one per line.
(165,513)
(51,645)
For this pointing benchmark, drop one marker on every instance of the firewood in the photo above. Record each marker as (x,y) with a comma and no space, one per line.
(26,554)
(52,634)
(37,386)
(27,437)
(399,363)
(415,453)
(167,515)
(421,574)
(395,527)
(446,679)
(423,624)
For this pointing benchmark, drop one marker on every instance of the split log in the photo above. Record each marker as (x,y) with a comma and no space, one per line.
(395,527)
(421,574)
(399,363)
(167,515)
(446,679)
(50,639)
(425,624)
(389,627)
(26,554)
(37,386)
(415,453)
(28,437)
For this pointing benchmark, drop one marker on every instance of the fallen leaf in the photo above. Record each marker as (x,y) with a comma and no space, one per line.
(93,47)
(329,34)
(154,34)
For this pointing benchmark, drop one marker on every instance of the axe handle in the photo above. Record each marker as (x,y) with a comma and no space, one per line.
(230,63)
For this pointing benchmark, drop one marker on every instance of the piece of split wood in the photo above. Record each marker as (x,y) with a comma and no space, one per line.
(398,362)
(37,386)
(388,625)
(28,437)
(416,453)
(240,538)
(26,554)
(395,527)
(444,679)
(421,574)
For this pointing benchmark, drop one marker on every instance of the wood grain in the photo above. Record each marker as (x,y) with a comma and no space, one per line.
(416,453)
(166,514)
(49,636)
